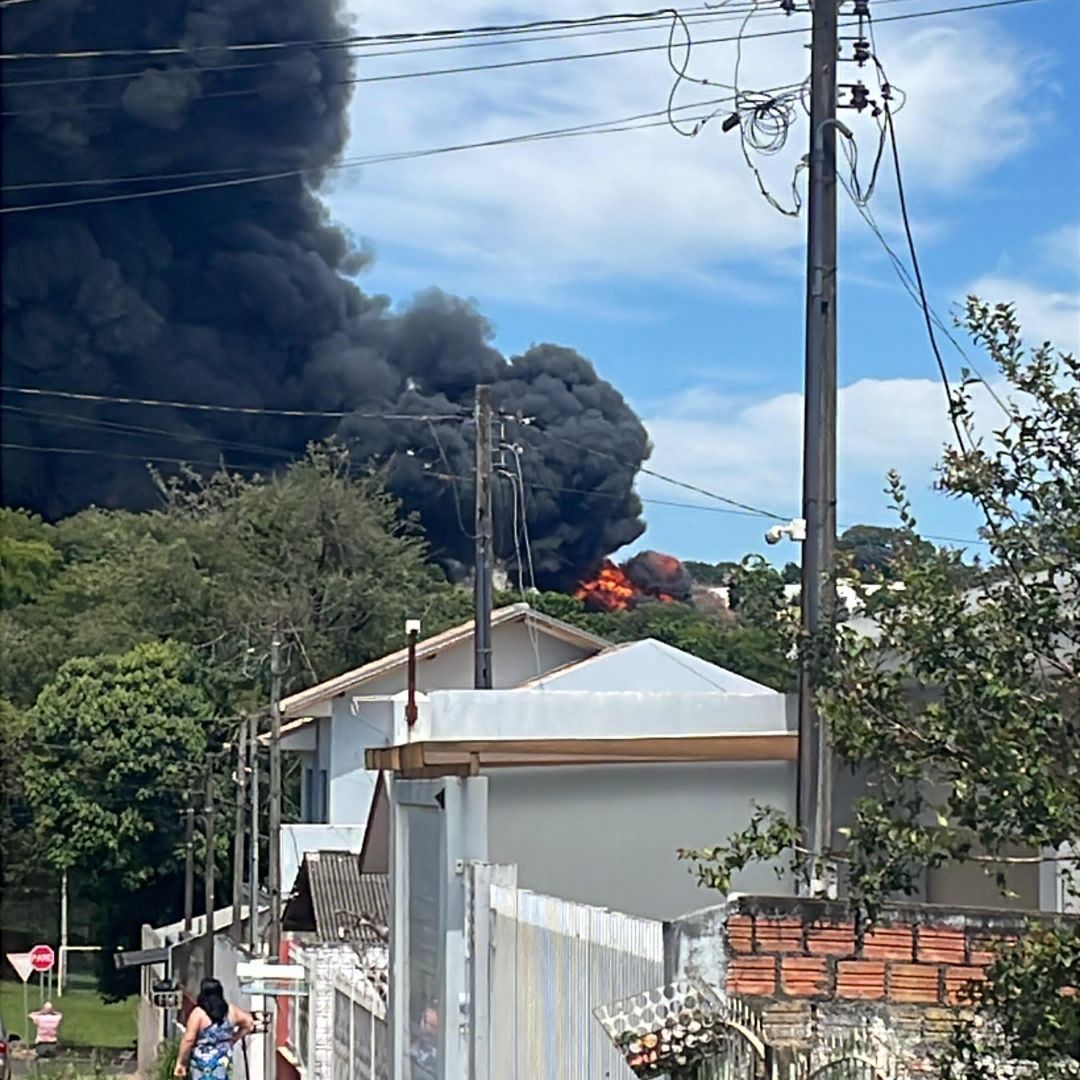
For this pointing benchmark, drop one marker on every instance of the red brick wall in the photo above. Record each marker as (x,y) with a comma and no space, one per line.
(813,951)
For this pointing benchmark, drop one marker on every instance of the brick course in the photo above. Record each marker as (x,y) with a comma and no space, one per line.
(794,950)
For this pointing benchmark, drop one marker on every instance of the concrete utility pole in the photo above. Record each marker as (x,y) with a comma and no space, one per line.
(61,975)
(189,864)
(276,672)
(253,739)
(211,873)
(819,433)
(485,553)
(238,833)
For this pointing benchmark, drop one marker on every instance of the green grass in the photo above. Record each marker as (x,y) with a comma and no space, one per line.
(88,1021)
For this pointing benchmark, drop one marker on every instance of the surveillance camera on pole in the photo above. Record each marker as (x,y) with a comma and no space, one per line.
(794,530)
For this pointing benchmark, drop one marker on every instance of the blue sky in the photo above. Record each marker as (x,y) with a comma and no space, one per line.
(655,255)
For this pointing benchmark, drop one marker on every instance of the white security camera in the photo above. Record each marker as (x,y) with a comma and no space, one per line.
(795,530)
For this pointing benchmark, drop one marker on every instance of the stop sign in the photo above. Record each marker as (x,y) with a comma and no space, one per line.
(42,957)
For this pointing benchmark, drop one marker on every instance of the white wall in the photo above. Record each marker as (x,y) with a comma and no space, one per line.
(357,726)
(297,840)
(607,834)
(514,659)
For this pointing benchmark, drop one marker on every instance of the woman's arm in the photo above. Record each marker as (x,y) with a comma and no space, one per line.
(187,1043)
(243,1022)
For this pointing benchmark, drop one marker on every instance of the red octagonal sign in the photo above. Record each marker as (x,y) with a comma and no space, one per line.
(42,957)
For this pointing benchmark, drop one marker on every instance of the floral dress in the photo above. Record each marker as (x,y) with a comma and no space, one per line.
(211,1058)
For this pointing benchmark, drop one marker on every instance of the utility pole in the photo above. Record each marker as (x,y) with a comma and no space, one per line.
(253,739)
(208,824)
(814,797)
(238,833)
(62,972)
(189,864)
(485,553)
(275,796)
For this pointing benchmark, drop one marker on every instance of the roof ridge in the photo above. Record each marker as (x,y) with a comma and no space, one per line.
(444,638)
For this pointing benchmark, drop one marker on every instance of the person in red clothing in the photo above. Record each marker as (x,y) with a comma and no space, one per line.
(47,1020)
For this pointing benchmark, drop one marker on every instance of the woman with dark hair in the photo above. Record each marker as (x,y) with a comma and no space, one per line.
(213,1028)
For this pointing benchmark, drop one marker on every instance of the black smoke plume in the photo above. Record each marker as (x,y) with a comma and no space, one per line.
(240,294)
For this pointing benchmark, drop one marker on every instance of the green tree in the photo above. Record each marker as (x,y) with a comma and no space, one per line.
(117,743)
(118,740)
(318,550)
(28,557)
(987,761)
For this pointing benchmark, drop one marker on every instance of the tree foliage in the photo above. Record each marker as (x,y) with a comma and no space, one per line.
(118,741)
(319,551)
(964,707)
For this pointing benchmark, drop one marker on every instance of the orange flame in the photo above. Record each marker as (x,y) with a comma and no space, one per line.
(611,589)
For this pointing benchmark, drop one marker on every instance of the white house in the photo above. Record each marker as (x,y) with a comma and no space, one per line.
(653,749)
(332,725)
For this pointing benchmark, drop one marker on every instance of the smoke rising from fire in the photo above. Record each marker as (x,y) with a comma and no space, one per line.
(238,295)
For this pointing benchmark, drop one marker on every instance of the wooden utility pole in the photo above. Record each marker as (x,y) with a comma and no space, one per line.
(238,834)
(208,824)
(814,799)
(275,796)
(485,553)
(253,740)
(189,864)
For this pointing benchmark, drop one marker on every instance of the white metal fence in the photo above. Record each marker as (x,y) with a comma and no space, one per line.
(361,1036)
(538,968)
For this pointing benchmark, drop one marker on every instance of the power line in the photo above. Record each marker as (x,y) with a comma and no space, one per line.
(597,128)
(661,476)
(498,66)
(429,35)
(354,39)
(376,159)
(72,420)
(689,15)
(246,410)
(146,459)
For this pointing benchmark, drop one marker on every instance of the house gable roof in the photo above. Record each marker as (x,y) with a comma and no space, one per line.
(334,900)
(353,680)
(649,666)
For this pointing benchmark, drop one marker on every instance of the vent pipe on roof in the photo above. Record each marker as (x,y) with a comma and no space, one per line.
(412,632)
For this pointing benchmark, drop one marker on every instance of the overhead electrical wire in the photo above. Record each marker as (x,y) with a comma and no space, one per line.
(353,39)
(595,128)
(428,35)
(246,410)
(692,16)
(373,159)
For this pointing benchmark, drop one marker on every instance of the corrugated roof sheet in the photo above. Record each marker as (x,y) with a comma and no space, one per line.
(337,902)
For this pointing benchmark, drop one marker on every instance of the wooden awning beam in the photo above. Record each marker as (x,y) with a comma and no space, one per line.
(462,757)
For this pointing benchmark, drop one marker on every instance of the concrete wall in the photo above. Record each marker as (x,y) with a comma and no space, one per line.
(607,834)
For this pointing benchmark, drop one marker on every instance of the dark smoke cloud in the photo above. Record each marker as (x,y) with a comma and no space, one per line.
(237,295)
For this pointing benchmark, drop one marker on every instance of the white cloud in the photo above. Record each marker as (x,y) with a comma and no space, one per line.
(1060,249)
(1044,314)
(532,220)
(752,450)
